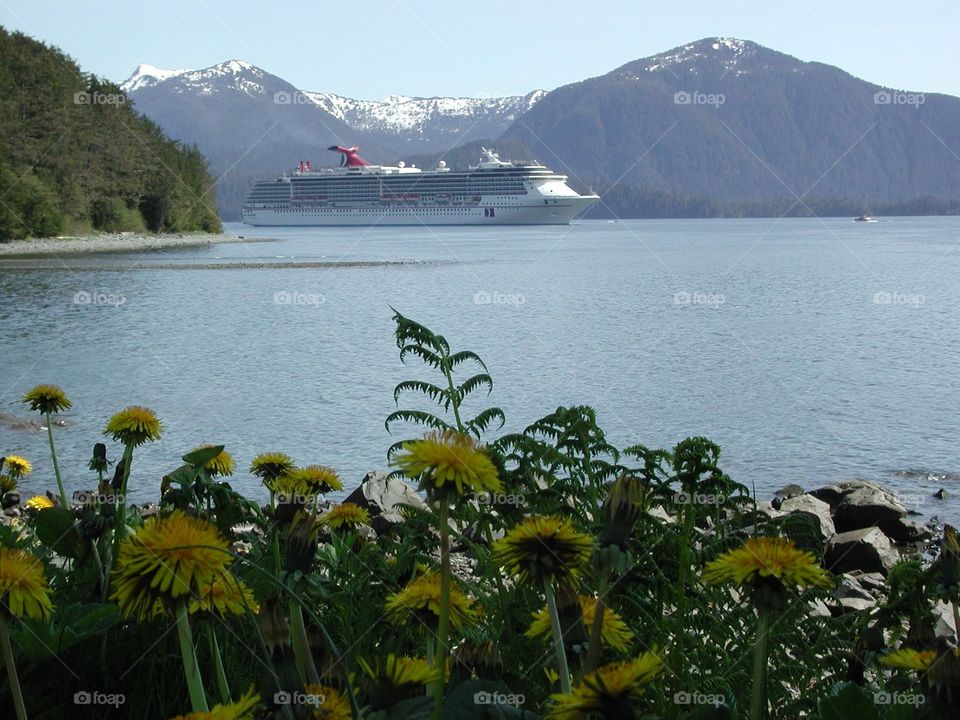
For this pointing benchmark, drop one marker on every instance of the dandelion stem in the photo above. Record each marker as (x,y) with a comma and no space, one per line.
(758,703)
(56,465)
(596,630)
(443,626)
(122,500)
(222,684)
(12,671)
(301,645)
(188,653)
(562,668)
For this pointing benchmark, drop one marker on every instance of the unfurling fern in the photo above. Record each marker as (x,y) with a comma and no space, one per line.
(434,351)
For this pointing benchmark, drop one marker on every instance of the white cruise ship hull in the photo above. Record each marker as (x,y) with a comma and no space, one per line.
(559,213)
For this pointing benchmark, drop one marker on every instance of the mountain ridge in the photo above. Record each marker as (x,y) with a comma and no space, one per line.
(719,120)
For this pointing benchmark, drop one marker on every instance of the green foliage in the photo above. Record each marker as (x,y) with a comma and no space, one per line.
(413,339)
(73,152)
(334,598)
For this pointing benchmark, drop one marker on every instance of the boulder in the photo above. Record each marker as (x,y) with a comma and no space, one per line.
(380,494)
(10,499)
(859,504)
(784,493)
(866,507)
(866,549)
(816,510)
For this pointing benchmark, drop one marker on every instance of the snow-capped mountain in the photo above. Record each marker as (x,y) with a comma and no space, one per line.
(448,115)
(235,74)
(408,122)
(146,76)
(251,124)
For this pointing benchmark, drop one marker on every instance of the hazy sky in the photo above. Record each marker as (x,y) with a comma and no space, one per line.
(372,49)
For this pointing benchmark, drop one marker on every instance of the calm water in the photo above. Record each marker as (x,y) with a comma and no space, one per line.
(810,350)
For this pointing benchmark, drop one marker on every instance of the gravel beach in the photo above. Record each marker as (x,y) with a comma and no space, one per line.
(117,242)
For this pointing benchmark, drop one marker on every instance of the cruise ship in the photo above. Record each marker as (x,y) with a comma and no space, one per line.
(493,192)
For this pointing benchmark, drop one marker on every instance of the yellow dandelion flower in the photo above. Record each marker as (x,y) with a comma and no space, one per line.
(401,670)
(291,489)
(767,557)
(240,710)
(226,595)
(17,466)
(23,588)
(330,703)
(614,632)
(448,460)
(346,515)
(421,598)
(165,562)
(8,483)
(271,465)
(908,659)
(543,549)
(608,690)
(318,478)
(48,399)
(220,465)
(134,425)
(39,502)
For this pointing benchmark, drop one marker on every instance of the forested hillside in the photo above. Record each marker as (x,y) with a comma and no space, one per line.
(74,156)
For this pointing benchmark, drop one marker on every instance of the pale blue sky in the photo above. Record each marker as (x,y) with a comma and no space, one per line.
(372,49)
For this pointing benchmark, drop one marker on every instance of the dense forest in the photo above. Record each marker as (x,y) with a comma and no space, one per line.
(75,157)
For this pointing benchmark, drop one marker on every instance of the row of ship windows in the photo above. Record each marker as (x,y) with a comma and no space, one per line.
(446,211)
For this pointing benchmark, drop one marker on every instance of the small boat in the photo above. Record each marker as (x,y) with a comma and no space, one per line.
(864,218)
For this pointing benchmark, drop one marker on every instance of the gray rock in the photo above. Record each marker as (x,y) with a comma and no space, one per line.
(866,549)
(859,504)
(866,507)
(818,608)
(874,582)
(817,510)
(784,493)
(940,494)
(10,499)
(658,512)
(943,621)
(854,605)
(380,495)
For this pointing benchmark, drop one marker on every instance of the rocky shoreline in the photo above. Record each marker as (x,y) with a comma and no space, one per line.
(114,242)
(860,529)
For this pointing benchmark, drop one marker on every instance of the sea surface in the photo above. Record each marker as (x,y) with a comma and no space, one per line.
(811,350)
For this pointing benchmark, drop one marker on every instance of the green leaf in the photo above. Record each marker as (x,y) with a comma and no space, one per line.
(57,529)
(478,700)
(201,456)
(418,708)
(848,701)
(70,625)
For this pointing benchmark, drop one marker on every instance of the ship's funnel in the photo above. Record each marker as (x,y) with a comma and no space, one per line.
(349,157)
